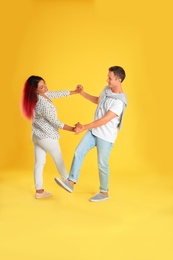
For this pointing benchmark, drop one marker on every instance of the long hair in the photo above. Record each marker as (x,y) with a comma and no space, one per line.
(29,96)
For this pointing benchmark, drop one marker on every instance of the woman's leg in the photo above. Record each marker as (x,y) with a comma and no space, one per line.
(52,147)
(40,159)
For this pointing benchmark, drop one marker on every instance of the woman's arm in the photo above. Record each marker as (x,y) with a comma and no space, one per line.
(76,91)
(68,128)
(57,94)
(48,112)
(62,93)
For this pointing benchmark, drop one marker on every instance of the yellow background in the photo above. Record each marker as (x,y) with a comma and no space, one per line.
(75,41)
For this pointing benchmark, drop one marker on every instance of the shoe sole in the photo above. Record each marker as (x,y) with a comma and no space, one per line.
(44,197)
(92,200)
(62,185)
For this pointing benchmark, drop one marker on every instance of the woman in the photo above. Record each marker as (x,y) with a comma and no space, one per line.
(36,104)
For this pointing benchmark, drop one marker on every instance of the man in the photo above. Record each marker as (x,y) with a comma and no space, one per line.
(102,132)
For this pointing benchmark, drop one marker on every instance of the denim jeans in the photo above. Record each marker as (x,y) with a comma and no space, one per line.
(41,147)
(104,148)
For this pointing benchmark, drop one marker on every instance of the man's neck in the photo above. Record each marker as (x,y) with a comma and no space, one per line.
(117,90)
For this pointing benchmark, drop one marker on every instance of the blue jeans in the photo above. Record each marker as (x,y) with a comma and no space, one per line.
(104,148)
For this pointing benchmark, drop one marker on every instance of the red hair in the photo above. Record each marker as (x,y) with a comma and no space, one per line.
(29,96)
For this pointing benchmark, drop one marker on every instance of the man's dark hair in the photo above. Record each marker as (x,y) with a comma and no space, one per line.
(118,71)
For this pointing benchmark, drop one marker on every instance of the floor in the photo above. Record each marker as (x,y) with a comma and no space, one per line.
(136,223)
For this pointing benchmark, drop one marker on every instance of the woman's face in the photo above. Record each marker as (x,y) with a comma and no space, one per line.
(42,87)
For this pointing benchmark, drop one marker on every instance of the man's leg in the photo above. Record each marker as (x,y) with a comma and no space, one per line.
(103,152)
(86,144)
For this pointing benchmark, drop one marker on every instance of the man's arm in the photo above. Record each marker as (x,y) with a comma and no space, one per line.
(91,98)
(99,122)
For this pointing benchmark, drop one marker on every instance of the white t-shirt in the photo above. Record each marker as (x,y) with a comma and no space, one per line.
(108,132)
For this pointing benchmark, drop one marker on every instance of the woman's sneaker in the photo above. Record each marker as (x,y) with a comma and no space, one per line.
(42,195)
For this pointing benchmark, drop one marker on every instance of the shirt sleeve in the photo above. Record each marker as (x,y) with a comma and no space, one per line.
(57,94)
(116,107)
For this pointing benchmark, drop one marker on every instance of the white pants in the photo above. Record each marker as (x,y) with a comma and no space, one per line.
(41,147)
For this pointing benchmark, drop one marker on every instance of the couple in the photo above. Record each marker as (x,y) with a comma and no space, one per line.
(37,105)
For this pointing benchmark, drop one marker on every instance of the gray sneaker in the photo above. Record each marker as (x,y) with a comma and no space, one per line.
(65,184)
(99,197)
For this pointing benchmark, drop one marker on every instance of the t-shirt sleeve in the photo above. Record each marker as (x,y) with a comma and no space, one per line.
(116,107)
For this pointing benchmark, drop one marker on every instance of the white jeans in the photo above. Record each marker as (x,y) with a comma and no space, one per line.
(41,147)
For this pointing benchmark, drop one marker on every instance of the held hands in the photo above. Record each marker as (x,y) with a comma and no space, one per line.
(79,128)
(79,89)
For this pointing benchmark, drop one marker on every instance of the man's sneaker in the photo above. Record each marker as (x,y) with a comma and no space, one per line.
(42,195)
(99,197)
(65,184)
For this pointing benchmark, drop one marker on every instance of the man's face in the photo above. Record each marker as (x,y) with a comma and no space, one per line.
(112,80)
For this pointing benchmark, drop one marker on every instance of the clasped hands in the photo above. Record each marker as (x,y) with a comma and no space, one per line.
(79,89)
(78,128)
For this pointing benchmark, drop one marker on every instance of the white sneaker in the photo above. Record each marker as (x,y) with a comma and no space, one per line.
(42,195)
